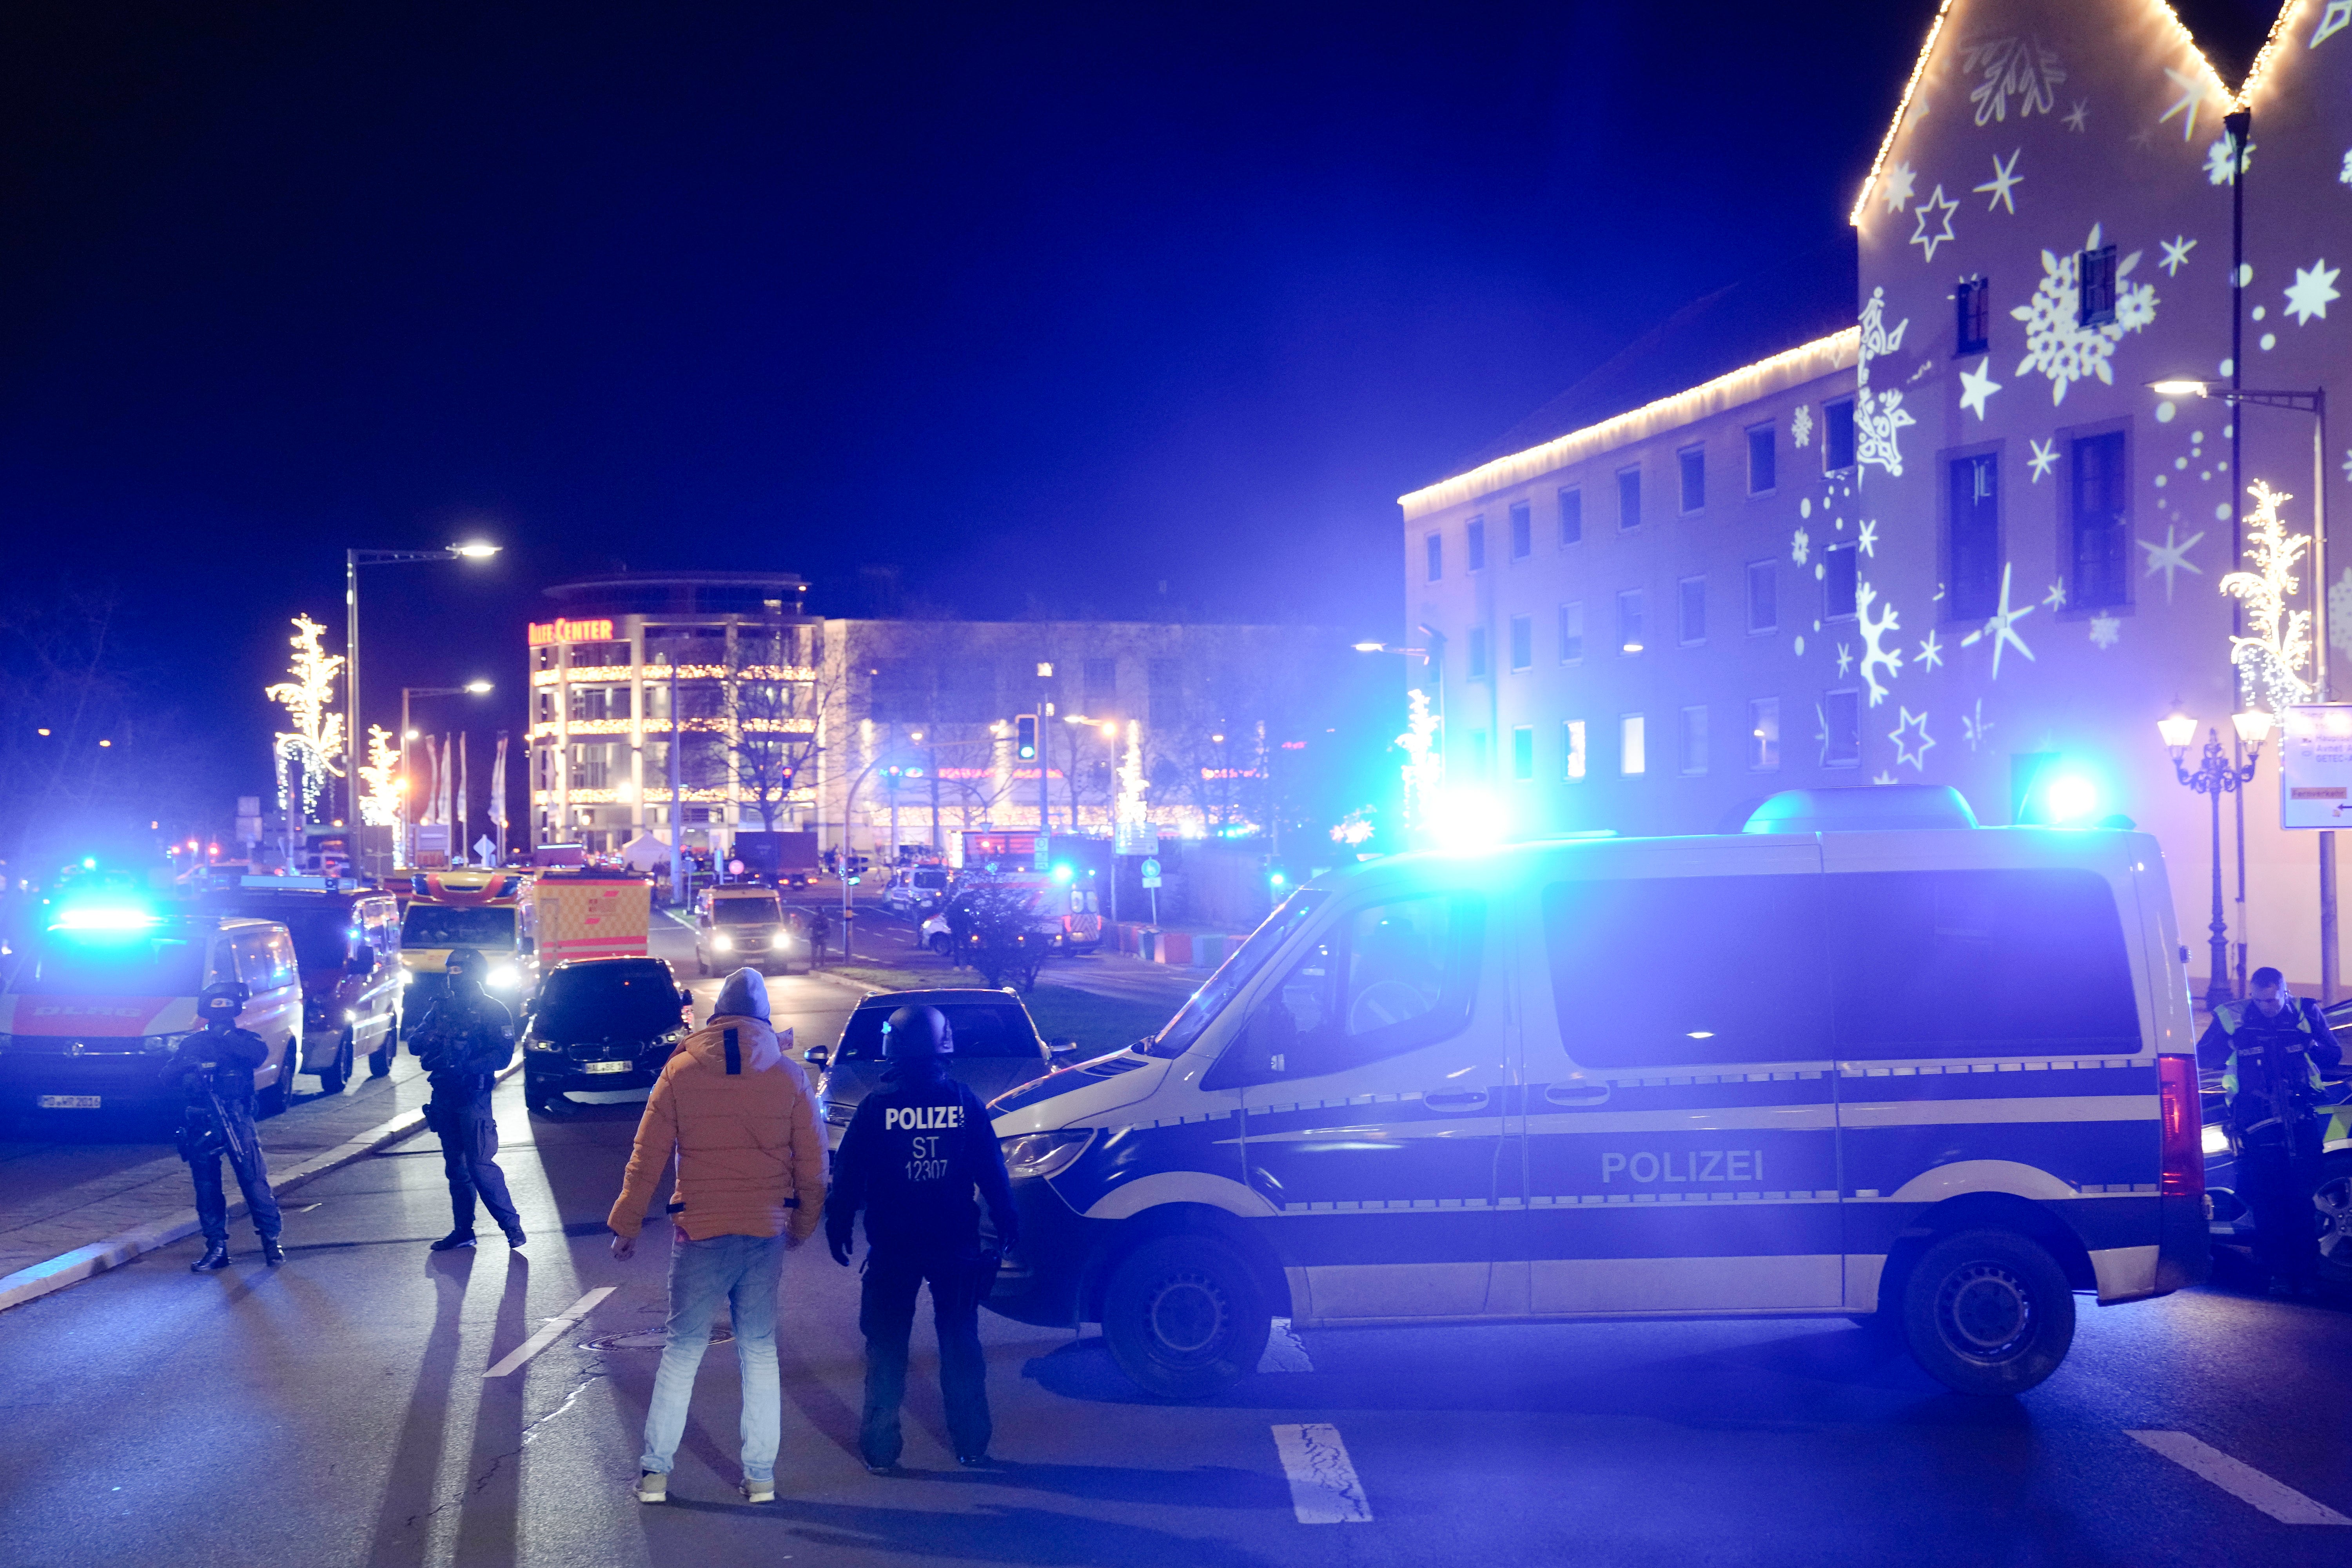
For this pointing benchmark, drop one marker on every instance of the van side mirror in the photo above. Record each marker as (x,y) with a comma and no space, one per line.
(817,1057)
(362,961)
(1062,1052)
(527,944)
(685,997)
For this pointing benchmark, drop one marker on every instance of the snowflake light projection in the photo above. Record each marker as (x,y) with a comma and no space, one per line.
(1911,742)
(308,699)
(1424,763)
(2056,343)
(2271,661)
(1876,654)
(1802,545)
(2105,630)
(2021,69)
(2221,169)
(380,806)
(1878,417)
(1800,422)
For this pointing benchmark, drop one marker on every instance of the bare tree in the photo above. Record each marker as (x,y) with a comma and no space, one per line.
(776,700)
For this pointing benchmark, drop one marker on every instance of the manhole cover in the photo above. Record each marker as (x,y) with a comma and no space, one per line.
(649,1340)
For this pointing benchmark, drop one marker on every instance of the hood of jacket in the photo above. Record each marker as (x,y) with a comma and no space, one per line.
(756,1046)
(743,994)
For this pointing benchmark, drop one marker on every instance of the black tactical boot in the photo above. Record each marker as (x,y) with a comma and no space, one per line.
(515,1237)
(215,1256)
(273,1251)
(455,1239)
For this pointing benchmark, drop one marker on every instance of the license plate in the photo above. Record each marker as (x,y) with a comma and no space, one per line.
(69,1102)
(585,1066)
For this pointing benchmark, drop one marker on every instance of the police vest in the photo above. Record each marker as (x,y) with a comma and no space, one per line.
(2230,1015)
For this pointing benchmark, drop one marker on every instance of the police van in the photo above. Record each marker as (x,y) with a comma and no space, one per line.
(1863,1060)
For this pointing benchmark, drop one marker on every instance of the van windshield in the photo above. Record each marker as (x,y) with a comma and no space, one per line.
(745,912)
(449,925)
(155,965)
(1232,975)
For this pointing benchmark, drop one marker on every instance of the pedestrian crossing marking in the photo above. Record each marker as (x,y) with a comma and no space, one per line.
(1324,1487)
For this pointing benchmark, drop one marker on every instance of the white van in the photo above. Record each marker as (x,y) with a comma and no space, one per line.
(91,1012)
(1848,1063)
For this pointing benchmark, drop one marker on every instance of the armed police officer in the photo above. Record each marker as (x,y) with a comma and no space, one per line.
(465,1039)
(214,1068)
(2272,1050)
(913,1154)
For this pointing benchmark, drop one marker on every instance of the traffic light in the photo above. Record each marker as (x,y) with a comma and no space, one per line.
(1024,737)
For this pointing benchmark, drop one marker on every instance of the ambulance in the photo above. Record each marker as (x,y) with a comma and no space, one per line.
(590,912)
(486,909)
(1865,1059)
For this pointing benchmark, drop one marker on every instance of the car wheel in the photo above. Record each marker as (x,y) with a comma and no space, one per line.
(379,1059)
(273,1099)
(1988,1312)
(1184,1317)
(941,945)
(2332,1200)
(338,1070)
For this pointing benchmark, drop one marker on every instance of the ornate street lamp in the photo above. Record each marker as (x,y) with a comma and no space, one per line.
(2215,777)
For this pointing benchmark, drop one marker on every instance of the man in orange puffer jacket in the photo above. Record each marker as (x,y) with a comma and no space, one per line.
(736,1110)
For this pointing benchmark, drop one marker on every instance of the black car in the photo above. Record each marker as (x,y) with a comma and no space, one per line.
(601,1024)
(997,1047)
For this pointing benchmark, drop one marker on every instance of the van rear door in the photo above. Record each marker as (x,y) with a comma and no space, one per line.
(1681,1112)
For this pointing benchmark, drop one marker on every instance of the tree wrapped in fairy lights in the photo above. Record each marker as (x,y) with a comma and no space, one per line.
(1424,763)
(380,805)
(308,699)
(1130,811)
(2270,659)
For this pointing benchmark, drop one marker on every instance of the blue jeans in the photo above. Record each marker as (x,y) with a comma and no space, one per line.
(741,1270)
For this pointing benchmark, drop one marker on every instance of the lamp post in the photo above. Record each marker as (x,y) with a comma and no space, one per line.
(2215,777)
(402,849)
(2314,403)
(472,550)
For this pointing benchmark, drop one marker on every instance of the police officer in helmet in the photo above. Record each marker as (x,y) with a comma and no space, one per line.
(912,1158)
(213,1068)
(2272,1050)
(465,1039)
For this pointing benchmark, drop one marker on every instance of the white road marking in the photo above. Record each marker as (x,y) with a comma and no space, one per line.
(1283,1350)
(549,1334)
(2242,1481)
(1323,1484)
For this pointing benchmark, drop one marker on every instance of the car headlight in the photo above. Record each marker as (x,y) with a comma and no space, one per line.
(534,1043)
(781,940)
(722,942)
(1045,1154)
(505,977)
(157,1044)
(408,978)
(2217,1138)
(837,1112)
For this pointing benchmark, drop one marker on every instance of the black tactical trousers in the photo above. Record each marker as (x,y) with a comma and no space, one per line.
(2276,1176)
(469,1150)
(886,1314)
(252,1180)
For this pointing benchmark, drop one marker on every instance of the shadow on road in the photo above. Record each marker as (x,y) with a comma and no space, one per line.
(994,1534)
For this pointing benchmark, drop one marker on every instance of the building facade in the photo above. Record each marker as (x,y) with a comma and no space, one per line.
(1965,539)
(875,733)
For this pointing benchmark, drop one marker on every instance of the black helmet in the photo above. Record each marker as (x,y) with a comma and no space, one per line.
(227,998)
(916,1032)
(462,961)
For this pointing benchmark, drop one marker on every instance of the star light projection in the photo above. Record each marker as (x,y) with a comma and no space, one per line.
(308,699)
(2271,661)
(380,806)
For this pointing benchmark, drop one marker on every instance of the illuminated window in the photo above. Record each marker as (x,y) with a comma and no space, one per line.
(1840,575)
(1630,760)
(1692,463)
(1694,740)
(1629,621)
(1523,753)
(1573,737)
(2097,298)
(1763,595)
(1629,497)
(1972,304)
(1523,641)
(1436,547)
(1842,729)
(1473,545)
(1691,602)
(1571,633)
(1763,460)
(1764,734)
(1523,531)
(1571,515)
(1837,436)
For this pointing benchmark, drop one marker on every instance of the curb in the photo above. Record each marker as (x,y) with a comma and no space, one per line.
(56,1274)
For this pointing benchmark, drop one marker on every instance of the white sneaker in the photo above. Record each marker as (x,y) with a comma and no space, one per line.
(758,1491)
(652,1486)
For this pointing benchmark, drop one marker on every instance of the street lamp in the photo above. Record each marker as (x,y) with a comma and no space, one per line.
(2314,403)
(2215,777)
(402,849)
(471,550)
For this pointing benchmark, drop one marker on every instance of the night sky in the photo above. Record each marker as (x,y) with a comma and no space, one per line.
(1044,308)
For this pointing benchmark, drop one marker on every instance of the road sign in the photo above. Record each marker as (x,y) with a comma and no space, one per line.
(483,848)
(2315,766)
(1152,873)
